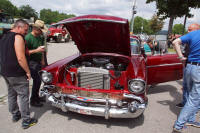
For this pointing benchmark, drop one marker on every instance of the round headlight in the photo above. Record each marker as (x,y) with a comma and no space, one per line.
(136,85)
(46,77)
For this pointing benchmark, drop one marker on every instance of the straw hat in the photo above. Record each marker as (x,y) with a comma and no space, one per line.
(40,24)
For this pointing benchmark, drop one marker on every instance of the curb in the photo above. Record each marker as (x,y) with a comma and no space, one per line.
(3,98)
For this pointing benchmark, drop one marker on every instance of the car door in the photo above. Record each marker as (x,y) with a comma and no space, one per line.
(163,68)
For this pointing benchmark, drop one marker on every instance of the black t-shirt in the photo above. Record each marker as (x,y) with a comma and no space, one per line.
(9,63)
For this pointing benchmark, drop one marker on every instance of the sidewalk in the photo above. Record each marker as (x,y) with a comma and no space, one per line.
(3,89)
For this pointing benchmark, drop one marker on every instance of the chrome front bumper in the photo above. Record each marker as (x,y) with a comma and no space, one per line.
(136,108)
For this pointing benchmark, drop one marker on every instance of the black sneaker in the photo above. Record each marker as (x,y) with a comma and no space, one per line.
(36,104)
(16,118)
(180,105)
(28,123)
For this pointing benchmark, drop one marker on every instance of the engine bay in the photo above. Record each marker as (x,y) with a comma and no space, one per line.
(96,72)
(103,62)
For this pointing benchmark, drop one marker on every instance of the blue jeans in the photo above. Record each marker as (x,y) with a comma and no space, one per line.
(185,90)
(187,114)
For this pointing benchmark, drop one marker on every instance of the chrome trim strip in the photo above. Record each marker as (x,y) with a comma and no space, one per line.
(133,97)
(91,100)
(87,19)
(164,65)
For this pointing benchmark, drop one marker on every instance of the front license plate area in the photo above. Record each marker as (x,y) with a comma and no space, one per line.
(84,111)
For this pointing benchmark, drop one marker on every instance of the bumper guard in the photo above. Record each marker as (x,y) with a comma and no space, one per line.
(134,110)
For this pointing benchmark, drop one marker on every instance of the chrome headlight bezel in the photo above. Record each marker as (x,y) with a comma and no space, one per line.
(136,86)
(46,77)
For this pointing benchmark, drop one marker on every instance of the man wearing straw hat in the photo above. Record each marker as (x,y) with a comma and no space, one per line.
(35,43)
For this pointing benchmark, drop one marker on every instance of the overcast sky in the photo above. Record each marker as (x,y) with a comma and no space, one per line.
(120,8)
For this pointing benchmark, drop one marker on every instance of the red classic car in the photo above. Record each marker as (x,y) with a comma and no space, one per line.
(106,79)
(58,33)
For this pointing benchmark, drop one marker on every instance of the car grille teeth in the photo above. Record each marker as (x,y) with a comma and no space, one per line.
(93,78)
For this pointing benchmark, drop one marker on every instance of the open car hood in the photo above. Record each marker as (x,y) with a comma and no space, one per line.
(99,33)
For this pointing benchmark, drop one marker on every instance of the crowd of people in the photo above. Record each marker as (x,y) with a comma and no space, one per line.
(154,47)
(22,57)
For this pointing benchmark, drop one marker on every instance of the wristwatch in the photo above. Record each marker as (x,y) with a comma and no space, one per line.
(180,57)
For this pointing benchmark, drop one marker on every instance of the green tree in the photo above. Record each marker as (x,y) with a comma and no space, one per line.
(146,27)
(178,29)
(174,8)
(156,24)
(27,12)
(142,25)
(137,27)
(9,8)
(49,16)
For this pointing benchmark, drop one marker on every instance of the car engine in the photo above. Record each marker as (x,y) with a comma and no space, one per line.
(95,72)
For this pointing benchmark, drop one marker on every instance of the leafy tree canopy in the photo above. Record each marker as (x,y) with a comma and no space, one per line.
(156,24)
(49,16)
(27,12)
(138,25)
(178,29)
(176,8)
(8,7)
(151,26)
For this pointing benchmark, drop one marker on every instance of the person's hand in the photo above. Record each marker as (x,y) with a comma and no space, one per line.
(183,60)
(28,76)
(40,49)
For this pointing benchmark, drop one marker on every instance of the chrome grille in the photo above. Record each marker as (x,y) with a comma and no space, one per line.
(94,78)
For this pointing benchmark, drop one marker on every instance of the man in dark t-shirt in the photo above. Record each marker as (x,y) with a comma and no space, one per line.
(16,72)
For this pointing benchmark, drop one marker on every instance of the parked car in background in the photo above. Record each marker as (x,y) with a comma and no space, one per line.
(58,33)
(106,78)
(5,22)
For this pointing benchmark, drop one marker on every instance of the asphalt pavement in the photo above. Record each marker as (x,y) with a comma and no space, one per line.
(159,116)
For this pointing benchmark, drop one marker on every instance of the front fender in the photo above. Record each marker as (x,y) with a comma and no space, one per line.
(55,67)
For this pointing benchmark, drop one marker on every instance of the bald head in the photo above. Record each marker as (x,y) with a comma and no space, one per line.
(193,27)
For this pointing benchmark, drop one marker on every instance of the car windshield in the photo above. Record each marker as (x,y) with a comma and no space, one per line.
(135,46)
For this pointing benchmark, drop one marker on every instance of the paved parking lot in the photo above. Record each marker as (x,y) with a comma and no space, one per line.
(159,116)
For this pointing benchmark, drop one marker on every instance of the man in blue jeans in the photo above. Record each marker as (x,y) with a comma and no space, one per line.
(192,77)
(191,27)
